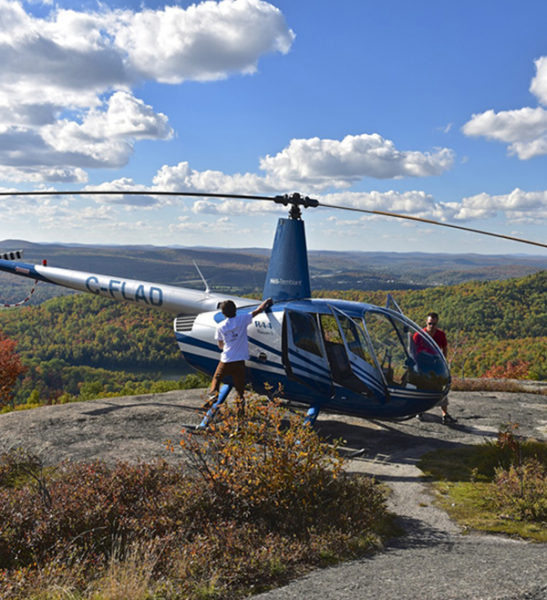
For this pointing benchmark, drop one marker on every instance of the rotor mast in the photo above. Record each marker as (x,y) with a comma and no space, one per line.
(288,276)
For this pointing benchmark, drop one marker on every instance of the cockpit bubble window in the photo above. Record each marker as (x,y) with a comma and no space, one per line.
(305,332)
(356,340)
(406,356)
(389,349)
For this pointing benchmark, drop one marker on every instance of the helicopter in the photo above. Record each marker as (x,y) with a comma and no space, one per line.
(342,356)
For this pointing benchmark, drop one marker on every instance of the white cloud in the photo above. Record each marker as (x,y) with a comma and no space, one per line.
(41,173)
(315,164)
(204,42)
(61,150)
(523,129)
(414,202)
(235,207)
(129,201)
(183,178)
(324,163)
(517,206)
(538,87)
(65,80)
(105,137)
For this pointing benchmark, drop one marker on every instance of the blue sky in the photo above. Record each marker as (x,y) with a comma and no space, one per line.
(433,109)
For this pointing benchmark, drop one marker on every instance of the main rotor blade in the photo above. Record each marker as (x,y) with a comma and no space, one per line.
(294,199)
(383,213)
(136,193)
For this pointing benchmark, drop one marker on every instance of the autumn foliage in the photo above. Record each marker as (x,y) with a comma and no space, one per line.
(235,513)
(10,369)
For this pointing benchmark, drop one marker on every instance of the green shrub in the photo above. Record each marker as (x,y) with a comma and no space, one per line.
(497,486)
(521,491)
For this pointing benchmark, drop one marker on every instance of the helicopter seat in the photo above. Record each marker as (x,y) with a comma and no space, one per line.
(341,369)
(338,360)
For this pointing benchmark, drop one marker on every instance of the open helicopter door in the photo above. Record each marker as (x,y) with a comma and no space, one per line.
(304,353)
(358,369)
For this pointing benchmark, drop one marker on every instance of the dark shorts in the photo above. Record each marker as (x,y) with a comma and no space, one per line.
(236,370)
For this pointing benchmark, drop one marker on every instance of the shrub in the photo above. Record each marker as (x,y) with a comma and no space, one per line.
(277,473)
(256,509)
(92,509)
(522,490)
(10,369)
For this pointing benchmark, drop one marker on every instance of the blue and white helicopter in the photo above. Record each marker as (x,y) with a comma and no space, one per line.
(348,357)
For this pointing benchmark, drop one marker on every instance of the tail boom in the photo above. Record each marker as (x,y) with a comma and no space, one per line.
(168,298)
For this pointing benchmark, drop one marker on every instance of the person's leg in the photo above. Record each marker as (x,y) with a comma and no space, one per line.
(212,394)
(446,418)
(222,395)
(238,377)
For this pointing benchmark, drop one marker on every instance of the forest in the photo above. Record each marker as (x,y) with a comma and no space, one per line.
(83,346)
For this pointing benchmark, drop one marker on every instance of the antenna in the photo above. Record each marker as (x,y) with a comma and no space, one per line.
(207,290)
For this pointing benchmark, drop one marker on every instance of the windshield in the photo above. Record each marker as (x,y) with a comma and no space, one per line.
(407,356)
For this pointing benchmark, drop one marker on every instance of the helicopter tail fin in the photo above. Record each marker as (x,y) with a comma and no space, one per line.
(288,275)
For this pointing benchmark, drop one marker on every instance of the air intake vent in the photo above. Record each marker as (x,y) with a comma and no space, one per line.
(184,323)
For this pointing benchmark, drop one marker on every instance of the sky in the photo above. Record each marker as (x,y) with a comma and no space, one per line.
(432,109)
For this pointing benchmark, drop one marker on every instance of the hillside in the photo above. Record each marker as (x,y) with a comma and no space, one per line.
(498,328)
(243,271)
(495,328)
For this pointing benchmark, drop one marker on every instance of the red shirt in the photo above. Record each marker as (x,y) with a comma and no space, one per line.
(422,345)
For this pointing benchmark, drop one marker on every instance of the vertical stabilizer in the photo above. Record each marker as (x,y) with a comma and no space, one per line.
(288,275)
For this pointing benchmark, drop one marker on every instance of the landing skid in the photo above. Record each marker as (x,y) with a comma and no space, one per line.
(356,453)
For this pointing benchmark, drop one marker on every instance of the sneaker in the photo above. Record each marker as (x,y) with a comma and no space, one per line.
(211,399)
(448,420)
(420,417)
(200,428)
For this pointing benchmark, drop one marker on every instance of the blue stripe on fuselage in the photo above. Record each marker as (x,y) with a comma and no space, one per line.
(264,346)
(22,269)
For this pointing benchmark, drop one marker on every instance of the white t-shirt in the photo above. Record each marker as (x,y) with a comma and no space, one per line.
(233,332)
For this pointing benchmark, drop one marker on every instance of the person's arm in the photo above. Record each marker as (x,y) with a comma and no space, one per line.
(444,345)
(220,344)
(266,304)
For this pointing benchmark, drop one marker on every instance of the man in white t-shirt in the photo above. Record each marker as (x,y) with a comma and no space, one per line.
(233,341)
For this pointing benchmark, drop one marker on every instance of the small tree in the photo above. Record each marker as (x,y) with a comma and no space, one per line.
(10,369)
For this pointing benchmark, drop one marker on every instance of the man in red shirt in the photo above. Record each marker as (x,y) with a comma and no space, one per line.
(421,345)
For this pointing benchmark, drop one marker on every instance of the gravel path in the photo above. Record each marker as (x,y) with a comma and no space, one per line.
(435,560)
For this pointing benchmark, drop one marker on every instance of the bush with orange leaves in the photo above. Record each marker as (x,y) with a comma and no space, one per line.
(275,471)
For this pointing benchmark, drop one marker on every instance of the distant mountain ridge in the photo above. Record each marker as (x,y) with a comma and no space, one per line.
(243,270)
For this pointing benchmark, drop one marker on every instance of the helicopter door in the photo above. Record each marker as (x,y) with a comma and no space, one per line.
(304,354)
(359,370)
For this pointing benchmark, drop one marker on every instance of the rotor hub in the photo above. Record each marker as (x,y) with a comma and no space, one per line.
(296,200)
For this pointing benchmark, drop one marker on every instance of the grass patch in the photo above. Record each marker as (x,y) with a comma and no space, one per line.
(485,384)
(241,514)
(499,487)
